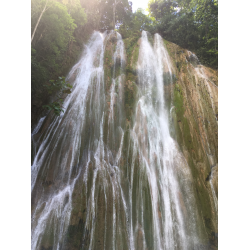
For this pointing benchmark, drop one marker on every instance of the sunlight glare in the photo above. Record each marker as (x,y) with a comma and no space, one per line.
(140,4)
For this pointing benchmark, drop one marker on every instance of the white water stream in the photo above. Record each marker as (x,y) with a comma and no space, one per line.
(160,158)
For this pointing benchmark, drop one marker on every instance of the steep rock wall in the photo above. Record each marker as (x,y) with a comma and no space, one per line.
(192,98)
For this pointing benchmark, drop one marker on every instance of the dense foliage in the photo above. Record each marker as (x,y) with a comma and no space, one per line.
(52,38)
(58,88)
(59,28)
(192,24)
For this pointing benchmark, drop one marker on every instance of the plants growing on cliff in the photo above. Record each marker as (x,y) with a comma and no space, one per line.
(138,22)
(57,88)
(50,43)
(192,24)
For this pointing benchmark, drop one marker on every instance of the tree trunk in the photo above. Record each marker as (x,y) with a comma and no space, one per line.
(38,21)
(114,14)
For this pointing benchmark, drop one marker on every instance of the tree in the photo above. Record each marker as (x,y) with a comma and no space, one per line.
(50,44)
(38,21)
(192,24)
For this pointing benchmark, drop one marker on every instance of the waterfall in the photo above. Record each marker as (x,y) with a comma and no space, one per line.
(160,158)
(100,181)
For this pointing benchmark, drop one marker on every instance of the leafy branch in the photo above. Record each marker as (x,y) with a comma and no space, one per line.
(58,88)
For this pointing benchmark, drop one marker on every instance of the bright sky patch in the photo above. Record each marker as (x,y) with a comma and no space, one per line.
(140,4)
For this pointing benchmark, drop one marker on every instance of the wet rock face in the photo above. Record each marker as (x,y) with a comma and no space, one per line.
(133,161)
(193,59)
(195,121)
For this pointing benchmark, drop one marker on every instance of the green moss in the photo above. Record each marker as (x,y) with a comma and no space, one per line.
(171,47)
(130,93)
(178,101)
(129,45)
(135,56)
(186,135)
(108,68)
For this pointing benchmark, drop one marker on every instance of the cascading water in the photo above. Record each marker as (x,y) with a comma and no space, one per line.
(98,183)
(173,207)
(60,147)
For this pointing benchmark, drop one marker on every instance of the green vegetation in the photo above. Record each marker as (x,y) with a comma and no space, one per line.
(53,36)
(192,24)
(57,88)
(130,91)
(55,47)
(137,21)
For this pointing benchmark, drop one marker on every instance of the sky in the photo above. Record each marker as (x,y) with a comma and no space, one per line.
(139,4)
